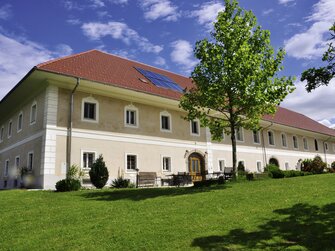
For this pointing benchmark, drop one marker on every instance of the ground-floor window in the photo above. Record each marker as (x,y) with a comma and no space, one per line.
(88,159)
(287,166)
(131,162)
(259,166)
(167,164)
(221,165)
(6,168)
(30,161)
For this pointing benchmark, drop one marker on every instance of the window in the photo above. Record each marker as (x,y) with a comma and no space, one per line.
(326,146)
(131,162)
(259,166)
(165,121)
(195,128)
(1,133)
(222,165)
(19,122)
(283,140)
(316,145)
(6,168)
(10,124)
(30,163)
(239,134)
(90,110)
(256,137)
(305,143)
(33,112)
(271,138)
(131,118)
(287,166)
(295,142)
(166,164)
(333,147)
(17,163)
(88,159)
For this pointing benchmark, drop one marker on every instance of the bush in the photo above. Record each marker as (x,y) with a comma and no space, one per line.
(67,185)
(240,167)
(315,165)
(221,180)
(293,173)
(99,173)
(274,171)
(207,183)
(122,183)
(250,176)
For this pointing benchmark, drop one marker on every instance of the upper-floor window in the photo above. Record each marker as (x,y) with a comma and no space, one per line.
(295,142)
(90,110)
(326,146)
(316,145)
(30,161)
(305,143)
(222,165)
(131,116)
(19,122)
(88,159)
(165,120)
(33,113)
(10,125)
(239,134)
(271,138)
(283,140)
(167,164)
(2,130)
(195,127)
(256,137)
(131,162)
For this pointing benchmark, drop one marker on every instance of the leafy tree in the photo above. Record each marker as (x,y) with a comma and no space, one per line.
(99,173)
(235,79)
(322,75)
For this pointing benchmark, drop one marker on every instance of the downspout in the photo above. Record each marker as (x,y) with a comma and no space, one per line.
(69,129)
(263,143)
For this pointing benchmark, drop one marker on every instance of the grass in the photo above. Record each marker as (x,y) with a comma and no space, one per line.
(295,214)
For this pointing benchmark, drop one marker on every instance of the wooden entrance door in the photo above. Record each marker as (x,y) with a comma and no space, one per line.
(195,168)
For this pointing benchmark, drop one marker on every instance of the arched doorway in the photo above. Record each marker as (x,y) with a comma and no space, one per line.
(196,166)
(274,161)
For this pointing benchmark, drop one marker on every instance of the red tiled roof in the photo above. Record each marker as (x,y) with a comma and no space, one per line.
(113,70)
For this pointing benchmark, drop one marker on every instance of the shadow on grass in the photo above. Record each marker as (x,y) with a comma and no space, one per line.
(147,193)
(302,226)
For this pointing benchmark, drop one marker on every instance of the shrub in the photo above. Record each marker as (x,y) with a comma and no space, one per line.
(240,167)
(99,173)
(206,183)
(122,183)
(250,176)
(293,173)
(66,185)
(74,172)
(315,165)
(221,180)
(332,165)
(274,171)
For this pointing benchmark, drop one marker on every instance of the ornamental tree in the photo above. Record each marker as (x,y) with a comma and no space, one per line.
(322,75)
(236,78)
(99,173)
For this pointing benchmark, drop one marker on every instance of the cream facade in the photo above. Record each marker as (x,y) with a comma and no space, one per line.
(134,131)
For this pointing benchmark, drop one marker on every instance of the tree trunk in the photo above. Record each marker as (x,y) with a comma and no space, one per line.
(233,145)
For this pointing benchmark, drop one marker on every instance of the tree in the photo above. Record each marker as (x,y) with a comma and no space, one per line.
(99,173)
(322,75)
(235,79)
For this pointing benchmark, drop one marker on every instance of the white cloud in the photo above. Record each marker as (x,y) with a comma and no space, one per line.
(119,31)
(182,54)
(313,42)
(18,56)
(73,21)
(267,12)
(318,104)
(72,5)
(160,61)
(285,2)
(5,12)
(327,123)
(155,9)
(207,13)
(119,1)
(97,3)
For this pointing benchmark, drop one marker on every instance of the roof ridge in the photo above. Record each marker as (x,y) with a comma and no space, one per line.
(65,57)
(131,60)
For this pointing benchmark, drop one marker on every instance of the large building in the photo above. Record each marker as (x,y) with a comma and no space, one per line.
(72,109)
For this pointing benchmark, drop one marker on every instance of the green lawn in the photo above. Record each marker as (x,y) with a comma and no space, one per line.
(295,213)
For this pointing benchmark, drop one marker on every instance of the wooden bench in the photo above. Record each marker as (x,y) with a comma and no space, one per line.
(146,179)
(228,173)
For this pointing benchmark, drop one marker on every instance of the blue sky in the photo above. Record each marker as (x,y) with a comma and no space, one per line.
(161,33)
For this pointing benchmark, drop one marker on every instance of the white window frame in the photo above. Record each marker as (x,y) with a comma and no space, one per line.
(242,134)
(82,151)
(133,109)
(126,163)
(10,129)
(90,100)
(273,137)
(305,143)
(167,114)
(287,166)
(261,166)
(198,127)
(281,138)
(2,133)
(6,168)
(169,170)
(33,119)
(32,162)
(224,162)
(258,136)
(17,167)
(18,122)
(293,142)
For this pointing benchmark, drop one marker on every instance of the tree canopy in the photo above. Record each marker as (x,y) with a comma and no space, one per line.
(236,78)
(316,77)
